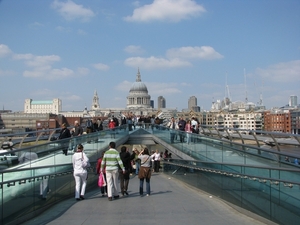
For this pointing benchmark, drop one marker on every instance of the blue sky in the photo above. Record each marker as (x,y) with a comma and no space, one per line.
(68,49)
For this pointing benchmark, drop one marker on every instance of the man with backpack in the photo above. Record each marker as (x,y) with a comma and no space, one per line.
(116,121)
(89,126)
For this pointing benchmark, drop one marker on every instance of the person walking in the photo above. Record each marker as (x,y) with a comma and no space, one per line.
(64,133)
(100,124)
(181,125)
(173,127)
(77,131)
(124,177)
(156,159)
(137,161)
(195,129)
(98,167)
(111,126)
(189,131)
(145,171)
(111,161)
(80,172)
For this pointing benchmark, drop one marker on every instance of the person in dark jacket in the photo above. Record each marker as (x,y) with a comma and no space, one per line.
(64,133)
(76,131)
(124,177)
(181,125)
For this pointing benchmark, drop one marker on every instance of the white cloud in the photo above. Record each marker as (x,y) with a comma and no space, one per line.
(83,71)
(6,73)
(4,50)
(81,32)
(176,57)
(281,72)
(166,10)
(203,52)
(23,56)
(154,63)
(133,49)
(37,61)
(185,84)
(63,29)
(71,11)
(36,25)
(42,61)
(136,4)
(163,88)
(49,73)
(101,66)
(60,73)
(42,67)
(124,86)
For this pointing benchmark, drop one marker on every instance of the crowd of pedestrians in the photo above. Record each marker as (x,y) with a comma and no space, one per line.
(183,129)
(116,168)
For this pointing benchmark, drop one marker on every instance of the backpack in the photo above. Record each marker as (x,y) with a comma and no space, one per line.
(116,121)
(89,124)
(100,126)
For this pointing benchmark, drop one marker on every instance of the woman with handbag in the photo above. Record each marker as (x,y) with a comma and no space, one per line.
(98,167)
(80,163)
(145,170)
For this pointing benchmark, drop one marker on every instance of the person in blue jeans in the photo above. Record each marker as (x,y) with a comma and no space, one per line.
(137,161)
(145,170)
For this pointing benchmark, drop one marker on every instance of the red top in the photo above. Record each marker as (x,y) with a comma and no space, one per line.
(188,128)
(111,124)
(98,167)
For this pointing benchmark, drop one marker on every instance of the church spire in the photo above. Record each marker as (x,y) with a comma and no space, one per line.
(95,104)
(138,76)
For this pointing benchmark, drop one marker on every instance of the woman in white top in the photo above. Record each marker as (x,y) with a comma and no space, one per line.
(156,159)
(145,170)
(80,173)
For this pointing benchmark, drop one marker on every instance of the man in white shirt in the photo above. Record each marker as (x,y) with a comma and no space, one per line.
(173,125)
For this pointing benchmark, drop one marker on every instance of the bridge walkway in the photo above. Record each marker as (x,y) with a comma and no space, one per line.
(170,202)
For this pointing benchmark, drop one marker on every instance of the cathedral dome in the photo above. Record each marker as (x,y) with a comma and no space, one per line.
(138,95)
(139,87)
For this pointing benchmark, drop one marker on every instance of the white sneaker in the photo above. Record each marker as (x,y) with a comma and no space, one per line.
(147,194)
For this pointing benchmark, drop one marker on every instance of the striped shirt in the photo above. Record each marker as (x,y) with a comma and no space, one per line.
(112,160)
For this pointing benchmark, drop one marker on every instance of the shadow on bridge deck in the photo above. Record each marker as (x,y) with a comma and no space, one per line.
(170,202)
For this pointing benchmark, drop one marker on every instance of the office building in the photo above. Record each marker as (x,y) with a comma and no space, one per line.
(43,107)
(161,102)
(293,101)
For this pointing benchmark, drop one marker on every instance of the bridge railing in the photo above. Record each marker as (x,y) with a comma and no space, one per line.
(258,137)
(215,149)
(272,193)
(249,176)
(231,160)
(41,175)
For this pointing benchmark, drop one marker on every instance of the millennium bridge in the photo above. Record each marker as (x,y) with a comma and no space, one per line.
(254,172)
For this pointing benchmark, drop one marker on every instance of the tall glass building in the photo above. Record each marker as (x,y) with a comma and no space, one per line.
(293,101)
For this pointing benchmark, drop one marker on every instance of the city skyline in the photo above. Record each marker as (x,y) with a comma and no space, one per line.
(208,49)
